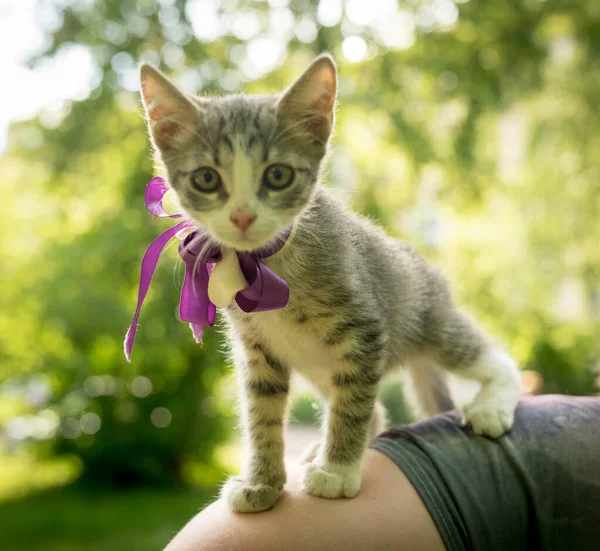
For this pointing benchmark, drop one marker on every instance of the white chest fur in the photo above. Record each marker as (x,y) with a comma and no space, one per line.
(296,345)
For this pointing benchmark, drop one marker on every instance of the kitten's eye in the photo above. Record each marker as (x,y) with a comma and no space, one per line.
(205,179)
(278,176)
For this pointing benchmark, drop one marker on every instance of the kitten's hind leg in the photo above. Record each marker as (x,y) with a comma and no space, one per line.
(426,389)
(461,348)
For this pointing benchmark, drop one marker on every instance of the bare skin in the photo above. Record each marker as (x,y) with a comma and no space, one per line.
(387,514)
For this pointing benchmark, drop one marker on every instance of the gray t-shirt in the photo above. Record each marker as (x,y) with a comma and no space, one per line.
(537,487)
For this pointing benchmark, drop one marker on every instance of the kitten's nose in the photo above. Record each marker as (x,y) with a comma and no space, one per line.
(242,218)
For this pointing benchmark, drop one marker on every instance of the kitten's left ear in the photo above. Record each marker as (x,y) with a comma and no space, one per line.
(311,98)
(170,112)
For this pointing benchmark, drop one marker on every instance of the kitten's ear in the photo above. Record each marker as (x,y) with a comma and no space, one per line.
(170,112)
(311,97)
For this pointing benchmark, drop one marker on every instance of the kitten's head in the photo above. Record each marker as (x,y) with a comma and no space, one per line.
(242,166)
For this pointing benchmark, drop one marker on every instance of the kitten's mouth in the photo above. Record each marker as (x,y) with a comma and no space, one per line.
(252,240)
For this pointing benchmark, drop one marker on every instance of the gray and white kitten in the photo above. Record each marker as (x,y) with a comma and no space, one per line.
(245,168)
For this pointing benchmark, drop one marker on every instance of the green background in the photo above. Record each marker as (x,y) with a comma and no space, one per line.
(468,129)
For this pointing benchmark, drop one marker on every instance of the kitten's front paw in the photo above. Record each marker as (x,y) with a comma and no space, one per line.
(244,497)
(331,481)
(492,418)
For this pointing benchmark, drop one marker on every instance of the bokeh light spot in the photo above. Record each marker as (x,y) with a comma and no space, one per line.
(354,48)
(448,81)
(205,21)
(263,55)
(306,30)
(70,428)
(94,385)
(395,30)
(445,13)
(140,386)
(363,12)
(161,417)
(90,423)
(488,58)
(245,24)
(329,12)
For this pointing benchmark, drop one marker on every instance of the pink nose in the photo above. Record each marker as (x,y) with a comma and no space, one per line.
(242,218)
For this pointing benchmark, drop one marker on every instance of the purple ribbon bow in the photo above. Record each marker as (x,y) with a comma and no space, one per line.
(265,291)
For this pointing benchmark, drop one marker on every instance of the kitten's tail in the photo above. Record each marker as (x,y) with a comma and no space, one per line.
(426,389)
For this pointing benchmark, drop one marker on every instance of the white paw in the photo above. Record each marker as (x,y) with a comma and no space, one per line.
(492,411)
(331,481)
(310,453)
(489,418)
(244,497)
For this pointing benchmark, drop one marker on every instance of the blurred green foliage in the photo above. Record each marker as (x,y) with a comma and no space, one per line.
(392,399)
(474,138)
(307,410)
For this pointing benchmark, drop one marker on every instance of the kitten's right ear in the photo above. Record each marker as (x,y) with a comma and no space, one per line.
(170,112)
(310,100)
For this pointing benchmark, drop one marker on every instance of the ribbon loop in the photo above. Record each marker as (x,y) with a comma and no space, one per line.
(265,290)
(153,197)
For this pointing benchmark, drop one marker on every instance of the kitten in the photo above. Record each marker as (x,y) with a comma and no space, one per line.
(246,168)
